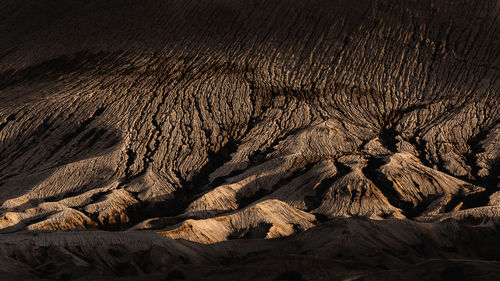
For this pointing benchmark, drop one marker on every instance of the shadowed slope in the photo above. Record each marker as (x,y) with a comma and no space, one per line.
(216,120)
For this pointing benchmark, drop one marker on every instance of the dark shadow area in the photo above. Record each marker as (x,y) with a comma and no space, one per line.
(42,151)
(388,139)
(175,275)
(372,172)
(491,185)
(186,193)
(313,202)
(258,232)
(79,63)
(290,276)
(243,200)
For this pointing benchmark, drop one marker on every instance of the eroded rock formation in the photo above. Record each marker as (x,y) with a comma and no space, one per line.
(220,120)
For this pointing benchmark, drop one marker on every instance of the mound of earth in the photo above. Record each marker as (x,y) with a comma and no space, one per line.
(340,140)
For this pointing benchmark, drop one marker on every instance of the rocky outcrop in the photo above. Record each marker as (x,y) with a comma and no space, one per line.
(204,130)
(267,219)
(216,120)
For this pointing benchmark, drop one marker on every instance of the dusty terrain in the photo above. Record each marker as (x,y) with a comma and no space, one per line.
(311,140)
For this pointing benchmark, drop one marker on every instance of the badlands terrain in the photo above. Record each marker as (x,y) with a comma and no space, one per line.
(249,140)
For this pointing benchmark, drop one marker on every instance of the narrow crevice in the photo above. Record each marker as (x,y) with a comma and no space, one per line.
(247,200)
(131,156)
(476,148)
(371,171)
(9,118)
(321,218)
(91,138)
(75,193)
(244,201)
(421,147)
(92,217)
(420,208)
(152,145)
(215,160)
(105,225)
(314,201)
(452,204)
(220,180)
(184,195)
(260,156)
(489,183)
(254,232)
(97,197)
(388,139)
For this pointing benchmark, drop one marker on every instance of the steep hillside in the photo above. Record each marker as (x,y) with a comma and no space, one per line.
(222,120)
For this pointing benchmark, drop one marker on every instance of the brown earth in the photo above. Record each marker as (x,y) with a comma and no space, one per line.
(328,140)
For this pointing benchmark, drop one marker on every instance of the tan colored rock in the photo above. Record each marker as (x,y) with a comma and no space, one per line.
(415,182)
(354,194)
(111,209)
(266,219)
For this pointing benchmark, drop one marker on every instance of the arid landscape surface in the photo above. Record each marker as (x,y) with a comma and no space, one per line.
(249,140)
